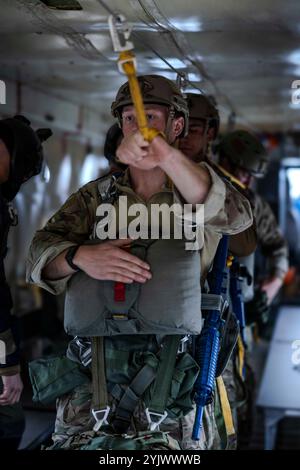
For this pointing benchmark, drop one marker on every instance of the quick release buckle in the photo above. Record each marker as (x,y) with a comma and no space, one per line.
(155,424)
(85,351)
(102,420)
(183,344)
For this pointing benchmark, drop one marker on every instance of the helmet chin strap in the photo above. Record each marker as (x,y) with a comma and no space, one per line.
(168,127)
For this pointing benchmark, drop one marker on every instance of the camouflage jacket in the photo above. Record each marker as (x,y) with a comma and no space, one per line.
(226,211)
(9,363)
(270,239)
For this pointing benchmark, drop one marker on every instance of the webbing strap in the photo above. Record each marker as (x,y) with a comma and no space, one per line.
(100,408)
(225,406)
(131,397)
(241,356)
(164,374)
(219,418)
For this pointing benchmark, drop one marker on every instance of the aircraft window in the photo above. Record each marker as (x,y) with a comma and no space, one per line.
(64,178)
(293,175)
(93,167)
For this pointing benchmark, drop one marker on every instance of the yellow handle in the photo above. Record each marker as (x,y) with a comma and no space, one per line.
(126,59)
(225,406)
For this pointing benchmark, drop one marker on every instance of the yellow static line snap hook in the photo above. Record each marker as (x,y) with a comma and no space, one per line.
(120,33)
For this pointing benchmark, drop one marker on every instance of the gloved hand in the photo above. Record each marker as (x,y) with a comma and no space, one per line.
(257,310)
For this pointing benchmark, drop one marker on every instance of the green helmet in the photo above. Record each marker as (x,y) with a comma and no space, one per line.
(202,107)
(155,89)
(246,151)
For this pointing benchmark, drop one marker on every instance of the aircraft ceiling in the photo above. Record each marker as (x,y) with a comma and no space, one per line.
(245,53)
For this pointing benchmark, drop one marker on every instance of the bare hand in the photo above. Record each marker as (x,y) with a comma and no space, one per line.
(136,151)
(109,261)
(12,389)
(133,149)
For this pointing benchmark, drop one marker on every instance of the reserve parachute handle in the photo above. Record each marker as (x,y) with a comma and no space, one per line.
(120,34)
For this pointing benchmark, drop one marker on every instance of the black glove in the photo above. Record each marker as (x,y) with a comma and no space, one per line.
(26,153)
(257,310)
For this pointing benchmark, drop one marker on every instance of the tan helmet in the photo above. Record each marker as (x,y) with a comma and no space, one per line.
(155,89)
(202,107)
(245,151)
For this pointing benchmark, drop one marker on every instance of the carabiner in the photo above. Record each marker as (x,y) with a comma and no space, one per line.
(120,33)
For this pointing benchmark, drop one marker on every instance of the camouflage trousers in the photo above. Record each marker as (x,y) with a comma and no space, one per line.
(240,394)
(12,424)
(74,423)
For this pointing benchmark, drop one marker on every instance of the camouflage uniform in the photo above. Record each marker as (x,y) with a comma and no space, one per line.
(204,113)
(74,223)
(270,238)
(74,419)
(243,150)
(225,211)
(24,147)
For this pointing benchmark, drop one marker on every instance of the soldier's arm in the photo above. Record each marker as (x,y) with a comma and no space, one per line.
(273,247)
(9,347)
(270,239)
(70,226)
(105,261)
(192,180)
(244,243)
(226,210)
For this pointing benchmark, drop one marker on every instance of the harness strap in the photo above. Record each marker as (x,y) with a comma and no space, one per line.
(241,357)
(131,396)
(162,373)
(157,406)
(100,408)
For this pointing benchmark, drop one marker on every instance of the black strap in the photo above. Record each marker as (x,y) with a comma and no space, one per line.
(161,371)
(131,397)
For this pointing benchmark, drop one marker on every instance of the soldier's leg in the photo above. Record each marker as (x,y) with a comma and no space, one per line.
(231,388)
(246,411)
(73,415)
(209,439)
(12,424)
(181,429)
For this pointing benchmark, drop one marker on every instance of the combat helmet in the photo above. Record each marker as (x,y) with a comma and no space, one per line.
(25,149)
(246,151)
(155,89)
(202,107)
